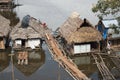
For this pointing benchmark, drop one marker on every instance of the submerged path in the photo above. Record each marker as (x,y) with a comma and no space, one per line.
(63,60)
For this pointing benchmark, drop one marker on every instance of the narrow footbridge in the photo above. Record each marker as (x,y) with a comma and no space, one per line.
(105,72)
(63,60)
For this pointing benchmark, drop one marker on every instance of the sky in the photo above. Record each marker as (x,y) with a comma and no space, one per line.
(56,12)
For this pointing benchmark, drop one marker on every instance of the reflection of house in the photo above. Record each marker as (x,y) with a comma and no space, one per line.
(6,4)
(27,37)
(85,63)
(4,31)
(111,28)
(80,34)
(4,61)
(80,60)
(35,60)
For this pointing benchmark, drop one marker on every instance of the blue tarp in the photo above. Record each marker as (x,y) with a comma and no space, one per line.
(105,33)
(100,28)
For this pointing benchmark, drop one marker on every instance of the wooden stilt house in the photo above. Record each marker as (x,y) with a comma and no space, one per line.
(29,36)
(4,31)
(80,35)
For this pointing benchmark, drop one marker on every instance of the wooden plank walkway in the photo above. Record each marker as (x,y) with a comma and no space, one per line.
(105,72)
(63,60)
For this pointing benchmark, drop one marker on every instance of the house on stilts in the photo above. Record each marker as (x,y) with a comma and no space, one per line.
(28,34)
(79,35)
(6,5)
(4,32)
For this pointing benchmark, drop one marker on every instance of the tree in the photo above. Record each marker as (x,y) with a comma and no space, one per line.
(105,7)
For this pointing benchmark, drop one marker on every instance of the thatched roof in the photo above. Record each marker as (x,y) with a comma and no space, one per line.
(5,1)
(85,34)
(34,30)
(25,33)
(4,26)
(71,25)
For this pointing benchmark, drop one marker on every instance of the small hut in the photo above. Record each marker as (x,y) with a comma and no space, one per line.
(28,37)
(4,31)
(6,5)
(80,34)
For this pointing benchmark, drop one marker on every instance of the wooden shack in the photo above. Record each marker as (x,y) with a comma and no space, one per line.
(4,31)
(81,35)
(6,5)
(114,41)
(28,37)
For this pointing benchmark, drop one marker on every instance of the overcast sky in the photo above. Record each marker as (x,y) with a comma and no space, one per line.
(55,12)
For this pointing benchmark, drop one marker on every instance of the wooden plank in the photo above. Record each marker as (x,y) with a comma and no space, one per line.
(64,60)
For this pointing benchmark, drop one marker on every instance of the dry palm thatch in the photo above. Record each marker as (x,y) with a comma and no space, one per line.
(34,30)
(85,34)
(4,26)
(25,33)
(70,25)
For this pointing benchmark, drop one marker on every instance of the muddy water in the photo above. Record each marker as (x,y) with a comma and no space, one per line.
(41,66)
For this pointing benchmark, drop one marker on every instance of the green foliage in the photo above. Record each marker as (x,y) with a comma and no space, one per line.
(118,19)
(115,28)
(105,7)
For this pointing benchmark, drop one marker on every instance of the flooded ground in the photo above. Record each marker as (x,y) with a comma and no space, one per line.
(41,65)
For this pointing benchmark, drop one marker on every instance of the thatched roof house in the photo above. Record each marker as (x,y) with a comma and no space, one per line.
(80,34)
(28,34)
(4,31)
(4,26)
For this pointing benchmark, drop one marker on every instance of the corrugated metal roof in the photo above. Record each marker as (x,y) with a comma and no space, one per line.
(115,35)
(108,22)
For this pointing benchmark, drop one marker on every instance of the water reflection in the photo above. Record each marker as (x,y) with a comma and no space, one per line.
(4,60)
(30,62)
(86,64)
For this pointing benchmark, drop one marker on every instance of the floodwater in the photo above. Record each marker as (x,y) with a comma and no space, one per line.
(41,65)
